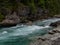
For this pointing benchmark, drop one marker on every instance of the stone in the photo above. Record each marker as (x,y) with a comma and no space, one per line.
(41,38)
(55,24)
(29,23)
(10,20)
(56,31)
(56,42)
(51,32)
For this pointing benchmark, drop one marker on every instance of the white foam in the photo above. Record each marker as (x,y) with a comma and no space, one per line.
(52,20)
(27,30)
(4,32)
(24,30)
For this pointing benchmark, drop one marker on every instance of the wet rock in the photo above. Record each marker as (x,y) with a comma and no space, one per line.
(55,24)
(47,36)
(38,42)
(51,32)
(43,39)
(56,31)
(29,23)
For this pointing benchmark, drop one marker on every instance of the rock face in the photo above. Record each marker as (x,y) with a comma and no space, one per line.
(10,20)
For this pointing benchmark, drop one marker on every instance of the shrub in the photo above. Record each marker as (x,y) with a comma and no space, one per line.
(1,17)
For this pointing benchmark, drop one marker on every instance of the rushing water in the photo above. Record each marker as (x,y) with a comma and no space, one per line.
(20,34)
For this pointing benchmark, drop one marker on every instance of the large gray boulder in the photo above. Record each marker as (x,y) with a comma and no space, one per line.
(10,20)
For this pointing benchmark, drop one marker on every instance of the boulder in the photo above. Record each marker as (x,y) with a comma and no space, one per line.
(29,23)
(55,24)
(7,22)
(10,20)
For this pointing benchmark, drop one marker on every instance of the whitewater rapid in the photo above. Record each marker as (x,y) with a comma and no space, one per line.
(46,22)
(38,27)
(16,31)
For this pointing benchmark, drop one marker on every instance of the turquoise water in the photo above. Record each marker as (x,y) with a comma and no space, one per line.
(20,34)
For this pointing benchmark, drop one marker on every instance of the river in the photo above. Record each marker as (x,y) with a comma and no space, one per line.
(20,34)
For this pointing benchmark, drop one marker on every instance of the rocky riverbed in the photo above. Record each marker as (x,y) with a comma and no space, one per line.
(52,38)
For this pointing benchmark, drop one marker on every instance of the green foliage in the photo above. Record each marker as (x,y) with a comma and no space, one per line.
(52,5)
(32,6)
(1,17)
(42,3)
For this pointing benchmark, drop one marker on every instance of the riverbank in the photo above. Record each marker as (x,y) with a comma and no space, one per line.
(25,16)
(10,21)
(52,38)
